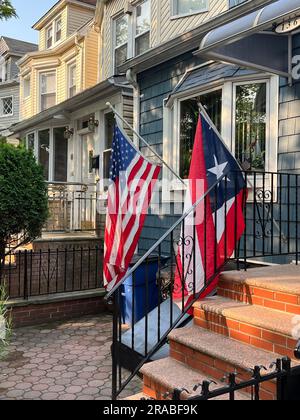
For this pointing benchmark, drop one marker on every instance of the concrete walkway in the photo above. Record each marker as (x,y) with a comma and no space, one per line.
(61,361)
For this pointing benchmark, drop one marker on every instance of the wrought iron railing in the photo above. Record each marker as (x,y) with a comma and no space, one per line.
(287,381)
(72,207)
(29,273)
(146,309)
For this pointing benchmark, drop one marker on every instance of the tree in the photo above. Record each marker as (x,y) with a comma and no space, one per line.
(23,198)
(7,10)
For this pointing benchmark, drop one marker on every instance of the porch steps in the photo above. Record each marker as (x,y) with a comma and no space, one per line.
(231,334)
(162,377)
(272,287)
(260,327)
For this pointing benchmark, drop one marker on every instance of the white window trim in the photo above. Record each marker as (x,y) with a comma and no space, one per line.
(40,73)
(171,132)
(176,15)
(132,36)
(71,65)
(56,41)
(27,79)
(52,26)
(12,101)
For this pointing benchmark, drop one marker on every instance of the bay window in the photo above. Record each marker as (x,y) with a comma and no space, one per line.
(189,7)
(72,80)
(132,33)
(47,90)
(245,112)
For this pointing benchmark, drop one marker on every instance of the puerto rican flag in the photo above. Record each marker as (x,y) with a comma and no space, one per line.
(211,233)
(132,180)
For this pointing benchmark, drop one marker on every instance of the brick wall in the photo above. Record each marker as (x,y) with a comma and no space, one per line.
(42,312)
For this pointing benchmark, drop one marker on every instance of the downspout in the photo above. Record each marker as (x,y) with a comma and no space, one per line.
(80,48)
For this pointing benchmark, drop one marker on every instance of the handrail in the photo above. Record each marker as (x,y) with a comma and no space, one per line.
(172,228)
(71,184)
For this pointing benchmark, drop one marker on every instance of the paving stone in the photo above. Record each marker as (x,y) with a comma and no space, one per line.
(49,396)
(32,395)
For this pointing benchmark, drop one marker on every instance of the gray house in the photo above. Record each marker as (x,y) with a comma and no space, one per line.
(11,50)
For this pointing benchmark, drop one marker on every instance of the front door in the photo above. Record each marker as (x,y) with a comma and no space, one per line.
(88,151)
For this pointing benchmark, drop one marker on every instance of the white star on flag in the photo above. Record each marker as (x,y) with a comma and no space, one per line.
(218,170)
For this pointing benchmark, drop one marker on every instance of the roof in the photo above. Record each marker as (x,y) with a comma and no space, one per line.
(57,6)
(18,47)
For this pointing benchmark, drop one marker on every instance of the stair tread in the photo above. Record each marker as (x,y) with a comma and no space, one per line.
(282,278)
(172,375)
(259,316)
(223,348)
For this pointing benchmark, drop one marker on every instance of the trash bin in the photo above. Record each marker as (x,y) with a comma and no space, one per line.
(144,300)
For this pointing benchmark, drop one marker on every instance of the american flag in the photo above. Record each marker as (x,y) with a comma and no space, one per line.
(132,179)
(219,219)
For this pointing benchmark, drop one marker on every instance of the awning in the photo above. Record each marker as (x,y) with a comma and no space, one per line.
(251,40)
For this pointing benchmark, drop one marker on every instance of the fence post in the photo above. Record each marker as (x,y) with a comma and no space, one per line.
(25,276)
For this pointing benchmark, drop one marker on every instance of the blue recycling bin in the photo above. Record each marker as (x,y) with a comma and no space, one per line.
(134,290)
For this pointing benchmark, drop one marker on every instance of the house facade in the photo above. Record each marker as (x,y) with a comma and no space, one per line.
(252,101)
(10,52)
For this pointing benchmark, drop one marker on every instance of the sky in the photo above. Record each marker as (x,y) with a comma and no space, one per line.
(29,11)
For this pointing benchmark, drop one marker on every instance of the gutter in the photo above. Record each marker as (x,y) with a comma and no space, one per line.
(190,40)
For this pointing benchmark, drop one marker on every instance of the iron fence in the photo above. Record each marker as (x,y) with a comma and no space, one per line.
(287,381)
(30,273)
(271,206)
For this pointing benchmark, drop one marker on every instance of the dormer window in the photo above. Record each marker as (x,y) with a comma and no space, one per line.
(3,71)
(49,38)
(58,30)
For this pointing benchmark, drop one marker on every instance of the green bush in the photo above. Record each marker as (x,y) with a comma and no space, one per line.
(23,196)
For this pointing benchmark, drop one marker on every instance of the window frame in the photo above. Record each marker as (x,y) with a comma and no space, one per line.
(58,19)
(176,15)
(49,28)
(52,27)
(171,149)
(70,66)
(132,29)
(3,71)
(2,115)
(27,79)
(42,73)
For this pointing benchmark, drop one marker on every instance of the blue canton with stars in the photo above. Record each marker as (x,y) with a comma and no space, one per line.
(122,154)
(219,162)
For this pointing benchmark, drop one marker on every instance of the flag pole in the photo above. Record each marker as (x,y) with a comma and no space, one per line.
(145,142)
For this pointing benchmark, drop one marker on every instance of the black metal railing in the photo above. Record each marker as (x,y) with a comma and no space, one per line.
(286,378)
(152,300)
(30,273)
(72,207)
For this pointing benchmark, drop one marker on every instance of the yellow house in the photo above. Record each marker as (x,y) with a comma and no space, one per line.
(67,60)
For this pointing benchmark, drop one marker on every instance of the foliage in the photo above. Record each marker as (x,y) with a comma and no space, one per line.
(7,10)
(23,197)
(2,140)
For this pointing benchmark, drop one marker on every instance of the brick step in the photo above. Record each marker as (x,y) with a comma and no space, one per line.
(166,375)
(257,326)
(275,287)
(217,356)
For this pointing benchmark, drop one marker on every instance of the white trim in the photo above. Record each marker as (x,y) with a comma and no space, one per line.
(70,65)
(174,10)
(171,130)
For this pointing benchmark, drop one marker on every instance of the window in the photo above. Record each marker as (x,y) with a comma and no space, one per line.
(47,90)
(3,70)
(132,33)
(44,151)
(244,110)
(109,134)
(189,7)
(71,80)
(30,141)
(121,40)
(143,25)
(251,124)
(233,3)
(57,30)
(60,155)
(26,86)
(6,106)
(189,115)
(49,36)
